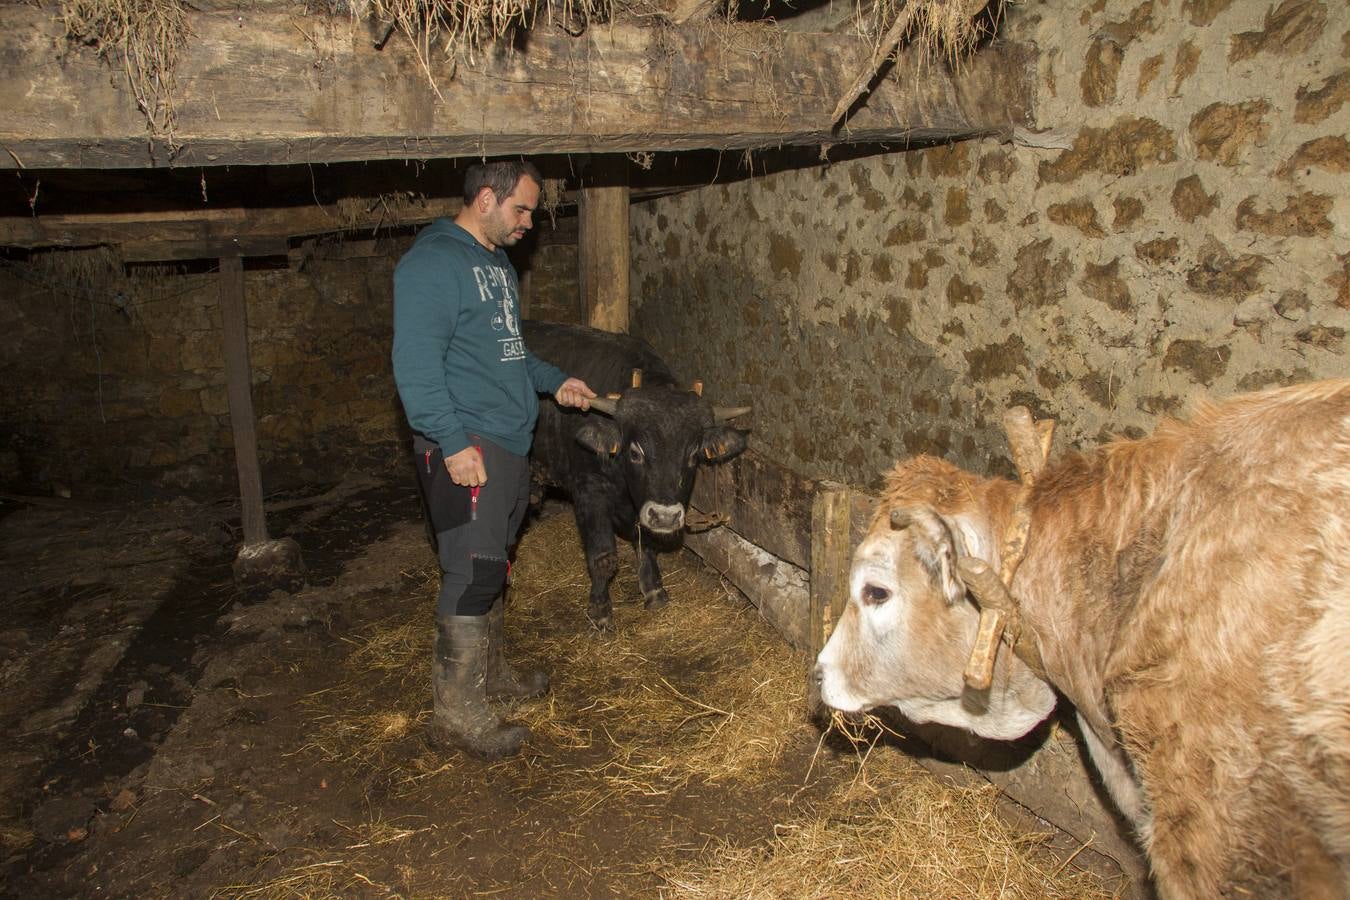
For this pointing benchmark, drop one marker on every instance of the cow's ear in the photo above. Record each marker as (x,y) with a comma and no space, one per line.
(721,442)
(935,545)
(600,435)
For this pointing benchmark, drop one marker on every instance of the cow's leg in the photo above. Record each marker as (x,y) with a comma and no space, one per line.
(1115,773)
(654,596)
(602,558)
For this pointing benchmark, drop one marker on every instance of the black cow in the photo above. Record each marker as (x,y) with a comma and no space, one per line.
(629,463)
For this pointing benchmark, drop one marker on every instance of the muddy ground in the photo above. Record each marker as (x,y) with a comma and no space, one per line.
(168,736)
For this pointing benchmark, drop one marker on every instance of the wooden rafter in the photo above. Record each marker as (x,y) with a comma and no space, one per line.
(272,93)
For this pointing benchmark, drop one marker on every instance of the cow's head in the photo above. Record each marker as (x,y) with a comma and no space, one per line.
(657,436)
(907,632)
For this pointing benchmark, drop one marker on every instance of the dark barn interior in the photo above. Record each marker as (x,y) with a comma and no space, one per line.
(881,225)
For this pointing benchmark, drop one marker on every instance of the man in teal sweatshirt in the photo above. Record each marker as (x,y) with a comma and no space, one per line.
(470,389)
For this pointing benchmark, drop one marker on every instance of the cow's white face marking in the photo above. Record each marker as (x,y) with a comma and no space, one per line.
(661,518)
(901,643)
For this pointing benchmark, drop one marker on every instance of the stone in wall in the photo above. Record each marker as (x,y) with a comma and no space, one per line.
(1313,105)
(1203,12)
(1185,63)
(1324,337)
(1148,72)
(959,292)
(1104,284)
(1331,153)
(949,160)
(1291,28)
(1101,68)
(1203,362)
(996,166)
(1159,251)
(1340,281)
(1220,274)
(1007,357)
(1221,131)
(1038,280)
(958,209)
(1079,214)
(1128,211)
(1131,144)
(785,257)
(1190,200)
(906,231)
(1304,215)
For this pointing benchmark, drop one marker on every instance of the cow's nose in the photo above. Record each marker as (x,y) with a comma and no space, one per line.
(664,518)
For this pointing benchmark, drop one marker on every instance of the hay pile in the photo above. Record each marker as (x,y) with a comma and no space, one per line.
(893,832)
(701,695)
(144,39)
(698,690)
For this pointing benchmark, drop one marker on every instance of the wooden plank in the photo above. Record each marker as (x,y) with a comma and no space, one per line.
(167,251)
(831,554)
(768,504)
(240,395)
(778,589)
(207,226)
(295,89)
(603,250)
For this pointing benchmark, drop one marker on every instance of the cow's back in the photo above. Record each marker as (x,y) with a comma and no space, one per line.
(602,359)
(1231,676)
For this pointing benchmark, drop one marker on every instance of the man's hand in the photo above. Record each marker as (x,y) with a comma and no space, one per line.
(574,392)
(466,467)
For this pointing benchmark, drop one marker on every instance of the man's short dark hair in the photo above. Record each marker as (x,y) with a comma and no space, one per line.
(501,176)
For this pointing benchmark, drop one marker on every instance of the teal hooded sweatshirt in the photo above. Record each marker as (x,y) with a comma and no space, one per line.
(460,362)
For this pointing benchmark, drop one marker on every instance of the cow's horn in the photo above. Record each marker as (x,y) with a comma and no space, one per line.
(995,605)
(697,388)
(724,413)
(604,405)
(637,378)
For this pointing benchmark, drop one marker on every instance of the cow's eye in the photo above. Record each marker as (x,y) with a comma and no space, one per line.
(635,454)
(875,595)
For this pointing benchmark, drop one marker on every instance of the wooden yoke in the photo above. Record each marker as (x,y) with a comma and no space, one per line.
(1029,441)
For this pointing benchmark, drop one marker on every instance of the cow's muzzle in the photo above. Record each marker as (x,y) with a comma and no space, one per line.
(662,518)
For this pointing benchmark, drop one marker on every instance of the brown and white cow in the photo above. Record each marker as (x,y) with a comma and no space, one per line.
(1188,592)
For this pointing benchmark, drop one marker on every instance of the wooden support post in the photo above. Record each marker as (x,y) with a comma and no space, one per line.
(603,244)
(831,558)
(239,392)
(260,561)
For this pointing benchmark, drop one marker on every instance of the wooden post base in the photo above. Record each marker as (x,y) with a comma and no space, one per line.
(270,565)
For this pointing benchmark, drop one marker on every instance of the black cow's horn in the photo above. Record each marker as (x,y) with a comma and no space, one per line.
(723,413)
(604,405)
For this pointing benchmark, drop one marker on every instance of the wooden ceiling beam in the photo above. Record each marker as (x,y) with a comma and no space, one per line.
(261,91)
(178,229)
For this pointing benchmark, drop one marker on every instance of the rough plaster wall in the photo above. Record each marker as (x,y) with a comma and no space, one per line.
(1193,236)
(98,397)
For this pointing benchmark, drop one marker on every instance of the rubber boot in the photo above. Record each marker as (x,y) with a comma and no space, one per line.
(460,714)
(503,681)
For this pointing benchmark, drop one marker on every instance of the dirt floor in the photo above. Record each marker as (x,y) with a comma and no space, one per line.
(168,736)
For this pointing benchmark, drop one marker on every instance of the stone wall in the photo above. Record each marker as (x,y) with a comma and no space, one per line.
(551,292)
(121,381)
(1190,235)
